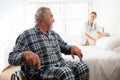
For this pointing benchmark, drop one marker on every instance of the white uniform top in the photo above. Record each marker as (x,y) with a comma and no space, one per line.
(92,31)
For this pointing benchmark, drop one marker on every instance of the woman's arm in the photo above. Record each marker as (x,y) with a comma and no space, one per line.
(100,34)
(90,37)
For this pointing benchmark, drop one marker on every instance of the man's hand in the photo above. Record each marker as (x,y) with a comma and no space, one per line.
(32,58)
(76,51)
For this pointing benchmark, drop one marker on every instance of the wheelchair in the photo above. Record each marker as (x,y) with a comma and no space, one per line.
(19,75)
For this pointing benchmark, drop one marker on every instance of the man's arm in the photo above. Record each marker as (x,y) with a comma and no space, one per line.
(64,47)
(69,49)
(16,56)
(21,55)
(76,51)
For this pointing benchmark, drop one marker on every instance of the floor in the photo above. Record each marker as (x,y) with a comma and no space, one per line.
(6,74)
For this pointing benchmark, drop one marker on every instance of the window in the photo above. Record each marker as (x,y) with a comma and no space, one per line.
(69,15)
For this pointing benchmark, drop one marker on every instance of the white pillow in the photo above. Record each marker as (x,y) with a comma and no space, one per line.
(108,42)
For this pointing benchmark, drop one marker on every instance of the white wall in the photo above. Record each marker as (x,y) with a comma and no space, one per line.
(11,20)
(108,15)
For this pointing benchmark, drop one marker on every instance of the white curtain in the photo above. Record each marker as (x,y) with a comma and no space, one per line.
(69,15)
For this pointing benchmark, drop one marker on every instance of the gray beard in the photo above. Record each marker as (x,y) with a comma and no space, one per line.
(51,27)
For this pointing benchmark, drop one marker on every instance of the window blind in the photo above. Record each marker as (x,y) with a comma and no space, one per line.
(69,15)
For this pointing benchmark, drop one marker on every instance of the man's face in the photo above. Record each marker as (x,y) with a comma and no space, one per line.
(49,19)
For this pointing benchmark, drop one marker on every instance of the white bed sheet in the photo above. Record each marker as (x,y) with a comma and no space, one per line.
(103,64)
(117,49)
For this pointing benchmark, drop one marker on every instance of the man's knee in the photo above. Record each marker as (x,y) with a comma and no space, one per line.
(82,70)
(65,74)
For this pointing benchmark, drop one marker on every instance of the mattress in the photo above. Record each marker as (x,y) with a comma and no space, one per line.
(103,64)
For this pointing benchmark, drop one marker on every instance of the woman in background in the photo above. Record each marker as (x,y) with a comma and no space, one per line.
(91,30)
